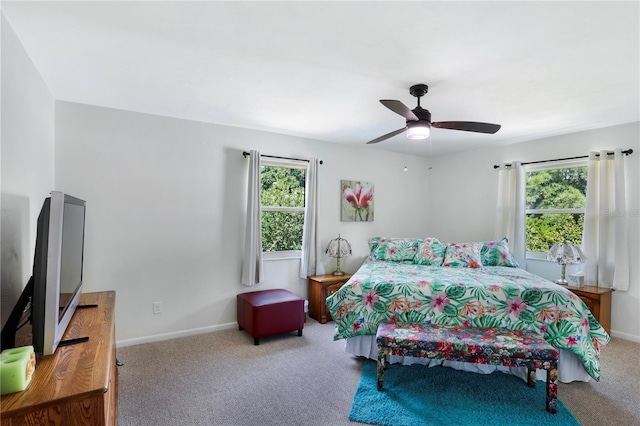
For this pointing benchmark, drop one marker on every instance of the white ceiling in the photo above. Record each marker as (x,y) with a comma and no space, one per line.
(318,69)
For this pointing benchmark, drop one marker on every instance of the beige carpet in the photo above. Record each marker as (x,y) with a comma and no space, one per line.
(221,378)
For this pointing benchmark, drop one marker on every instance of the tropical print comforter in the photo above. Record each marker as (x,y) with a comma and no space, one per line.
(487,297)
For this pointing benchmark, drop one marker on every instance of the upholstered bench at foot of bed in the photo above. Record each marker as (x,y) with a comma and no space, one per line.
(270,312)
(492,346)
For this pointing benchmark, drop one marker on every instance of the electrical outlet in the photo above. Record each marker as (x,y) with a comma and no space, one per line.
(157,307)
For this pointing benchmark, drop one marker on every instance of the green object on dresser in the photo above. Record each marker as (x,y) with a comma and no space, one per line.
(16,369)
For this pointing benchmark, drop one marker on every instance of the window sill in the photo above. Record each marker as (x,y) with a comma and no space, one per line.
(282,255)
(531,255)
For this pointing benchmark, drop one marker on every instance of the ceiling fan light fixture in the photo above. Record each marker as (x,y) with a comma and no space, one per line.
(418,130)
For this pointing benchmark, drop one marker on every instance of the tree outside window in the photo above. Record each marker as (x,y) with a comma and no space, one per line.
(555,206)
(283,200)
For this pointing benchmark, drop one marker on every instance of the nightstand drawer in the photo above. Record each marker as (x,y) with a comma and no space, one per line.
(598,300)
(592,305)
(321,287)
(334,287)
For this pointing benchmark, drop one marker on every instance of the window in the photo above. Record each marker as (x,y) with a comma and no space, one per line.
(555,205)
(283,200)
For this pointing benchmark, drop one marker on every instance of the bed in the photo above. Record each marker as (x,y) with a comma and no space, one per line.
(477,284)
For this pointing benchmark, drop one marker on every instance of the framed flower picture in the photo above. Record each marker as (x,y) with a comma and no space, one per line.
(357,201)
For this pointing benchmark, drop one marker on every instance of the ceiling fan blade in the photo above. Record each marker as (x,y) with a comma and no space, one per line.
(388,135)
(468,126)
(399,108)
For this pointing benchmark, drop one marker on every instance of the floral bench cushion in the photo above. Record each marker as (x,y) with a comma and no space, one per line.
(482,346)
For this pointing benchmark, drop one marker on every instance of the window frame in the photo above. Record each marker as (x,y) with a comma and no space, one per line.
(565,164)
(287,164)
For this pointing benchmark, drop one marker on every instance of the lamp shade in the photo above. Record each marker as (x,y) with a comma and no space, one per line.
(418,130)
(565,254)
(338,248)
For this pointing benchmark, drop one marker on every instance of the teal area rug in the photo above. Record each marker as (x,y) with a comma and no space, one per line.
(420,395)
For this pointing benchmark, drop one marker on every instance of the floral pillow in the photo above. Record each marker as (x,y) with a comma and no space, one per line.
(393,249)
(466,255)
(430,252)
(373,245)
(496,253)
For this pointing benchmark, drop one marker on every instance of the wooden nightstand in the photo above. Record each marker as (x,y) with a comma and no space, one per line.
(598,300)
(321,287)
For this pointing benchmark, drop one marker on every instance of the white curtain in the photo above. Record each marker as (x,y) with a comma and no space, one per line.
(252,268)
(605,239)
(511,209)
(310,243)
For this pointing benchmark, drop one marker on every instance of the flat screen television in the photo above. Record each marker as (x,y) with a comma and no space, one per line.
(51,296)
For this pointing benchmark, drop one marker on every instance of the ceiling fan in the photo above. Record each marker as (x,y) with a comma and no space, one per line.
(419,123)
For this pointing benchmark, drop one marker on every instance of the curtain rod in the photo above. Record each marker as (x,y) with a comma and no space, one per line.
(625,152)
(245,153)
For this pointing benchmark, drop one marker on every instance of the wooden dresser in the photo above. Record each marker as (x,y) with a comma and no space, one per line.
(78,384)
(321,287)
(598,300)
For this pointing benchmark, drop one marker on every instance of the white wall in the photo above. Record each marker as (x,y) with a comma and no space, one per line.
(165,211)
(27,162)
(464,190)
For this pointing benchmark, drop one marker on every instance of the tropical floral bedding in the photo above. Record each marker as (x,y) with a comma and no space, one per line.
(484,297)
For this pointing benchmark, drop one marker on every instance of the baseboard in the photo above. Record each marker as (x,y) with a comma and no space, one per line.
(625,336)
(202,330)
(175,335)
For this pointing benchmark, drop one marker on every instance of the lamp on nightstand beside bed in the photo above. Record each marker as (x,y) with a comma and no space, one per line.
(338,248)
(565,254)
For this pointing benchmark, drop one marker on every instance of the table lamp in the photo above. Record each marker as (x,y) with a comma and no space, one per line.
(338,248)
(565,254)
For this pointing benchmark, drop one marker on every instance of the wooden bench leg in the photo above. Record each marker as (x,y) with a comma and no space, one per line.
(382,354)
(531,375)
(552,390)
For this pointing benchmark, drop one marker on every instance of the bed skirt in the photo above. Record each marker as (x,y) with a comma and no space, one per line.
(570,368)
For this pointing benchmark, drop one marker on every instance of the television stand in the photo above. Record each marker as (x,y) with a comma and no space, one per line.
(77,385)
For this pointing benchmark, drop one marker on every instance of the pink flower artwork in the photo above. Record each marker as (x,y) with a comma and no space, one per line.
(357,201)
